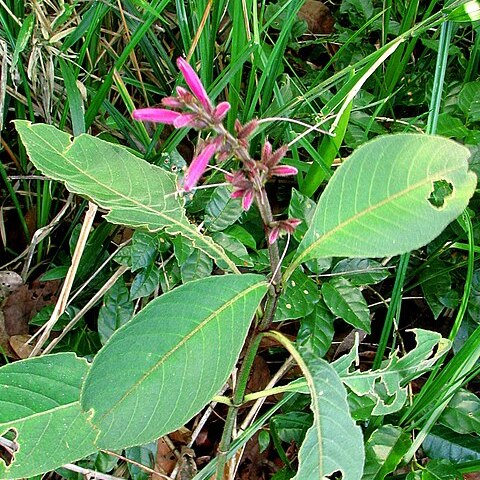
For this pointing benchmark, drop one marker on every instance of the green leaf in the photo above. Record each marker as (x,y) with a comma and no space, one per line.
(144,250)
(40,402)
(386,386)
(145,282)
(143,455)
(298,298)
(235,249)
(303,208)
(23,38)
(222,210)
(377,202)
(439,470)
(443,443)
(469,101)
(163,366)
(197,265)
(116,310)
(462,414)
(347,302)
(435,287)
(384,450)
(324,449)
(134,192)
(361,271)
(316,331)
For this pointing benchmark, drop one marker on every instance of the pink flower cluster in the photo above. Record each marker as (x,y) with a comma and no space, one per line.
(195,109)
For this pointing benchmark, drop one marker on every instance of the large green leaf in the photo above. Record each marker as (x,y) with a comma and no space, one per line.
(334,442)
(163,366)
(39,400)
(134,192)
(377,202)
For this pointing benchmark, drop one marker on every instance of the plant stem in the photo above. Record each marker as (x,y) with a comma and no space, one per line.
(237,399)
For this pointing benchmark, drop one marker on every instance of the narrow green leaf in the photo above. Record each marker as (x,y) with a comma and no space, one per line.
(347,302)
(40,401)
(163,366)
(23,37)
(377,202)
(134,192)
(384,450)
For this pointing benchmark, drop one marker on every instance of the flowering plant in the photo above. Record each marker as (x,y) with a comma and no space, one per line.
(195,109)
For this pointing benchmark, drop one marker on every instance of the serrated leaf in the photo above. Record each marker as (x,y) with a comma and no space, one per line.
(145,282)
(303,208)
(197,265)
(316,331)
(435,287)
(164,365)
(377,202)
(134,192)
(234,249)
(443,443)
(116,310)
(462,414)
(384,450)
(361,271)
(40,401)
(298,298)
(469,101)
(347,302)
(222,210)
(144,249)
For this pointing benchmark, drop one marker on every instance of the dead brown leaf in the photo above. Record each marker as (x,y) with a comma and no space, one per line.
(318,17)
(27,300)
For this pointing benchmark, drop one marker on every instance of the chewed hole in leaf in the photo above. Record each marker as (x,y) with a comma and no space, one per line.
(8,446)
(441,190)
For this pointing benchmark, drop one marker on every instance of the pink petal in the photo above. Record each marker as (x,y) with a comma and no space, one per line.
(198,166)
(185,120)
(273,235)
(247,200)
(221,110)
(194,82)
(158,115)
(237,193)
(283,170)
(172,102)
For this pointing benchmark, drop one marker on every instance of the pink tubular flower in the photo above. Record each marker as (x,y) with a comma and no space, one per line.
(195,84)
(242,188)
(198,166)
(158,115)
(282,226)
(283,170)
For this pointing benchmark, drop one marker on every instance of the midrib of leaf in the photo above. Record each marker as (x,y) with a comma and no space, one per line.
(364,212)
(187,230)
(182,342)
